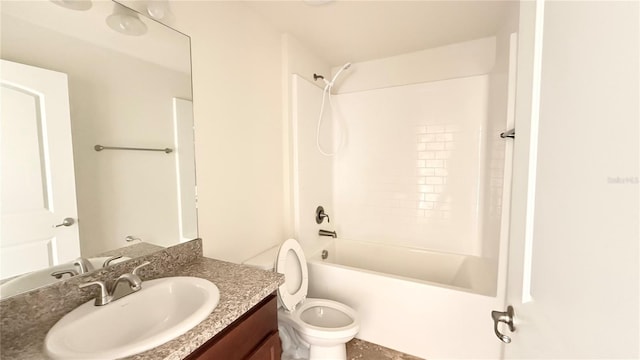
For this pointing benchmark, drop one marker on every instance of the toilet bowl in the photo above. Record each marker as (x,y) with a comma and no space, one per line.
(315,329)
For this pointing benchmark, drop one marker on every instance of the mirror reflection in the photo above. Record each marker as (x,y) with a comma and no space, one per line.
(75,79)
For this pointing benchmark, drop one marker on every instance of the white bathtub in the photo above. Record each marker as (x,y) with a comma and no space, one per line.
(462,272)
(419,302)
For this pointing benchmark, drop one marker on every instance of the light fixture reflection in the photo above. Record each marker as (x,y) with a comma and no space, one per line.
(158,9)
(81,5)
(126,21)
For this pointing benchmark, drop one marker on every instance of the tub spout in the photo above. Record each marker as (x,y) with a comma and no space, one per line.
(328,233)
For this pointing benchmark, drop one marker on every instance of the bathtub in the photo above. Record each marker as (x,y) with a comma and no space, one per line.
(415,301)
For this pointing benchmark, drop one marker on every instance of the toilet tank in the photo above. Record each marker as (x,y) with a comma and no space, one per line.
(266,260)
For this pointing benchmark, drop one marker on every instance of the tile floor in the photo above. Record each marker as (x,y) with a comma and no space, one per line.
(361,350)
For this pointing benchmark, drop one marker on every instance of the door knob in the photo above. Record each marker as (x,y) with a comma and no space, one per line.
(66,222)
(503,317)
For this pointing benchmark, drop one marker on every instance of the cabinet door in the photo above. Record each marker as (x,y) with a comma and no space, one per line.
(270,349)
(244,337)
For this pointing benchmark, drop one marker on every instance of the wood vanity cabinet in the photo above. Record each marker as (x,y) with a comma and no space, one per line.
(254,336)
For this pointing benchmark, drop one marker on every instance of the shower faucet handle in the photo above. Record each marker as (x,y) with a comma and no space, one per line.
(320,215)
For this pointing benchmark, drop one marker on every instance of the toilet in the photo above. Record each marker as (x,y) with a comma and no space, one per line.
(315,329)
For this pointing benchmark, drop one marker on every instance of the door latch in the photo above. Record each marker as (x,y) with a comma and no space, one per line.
(503,317)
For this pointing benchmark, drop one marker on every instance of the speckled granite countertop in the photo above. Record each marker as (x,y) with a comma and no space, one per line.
(241,288)
(133,250)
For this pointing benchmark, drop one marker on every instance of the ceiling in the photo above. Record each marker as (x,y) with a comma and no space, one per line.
(339,31)
(351,31)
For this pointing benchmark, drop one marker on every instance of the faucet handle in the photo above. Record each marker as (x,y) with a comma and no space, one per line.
(137,268)
(58,274)
(104,297)
(321,215)
(109,260)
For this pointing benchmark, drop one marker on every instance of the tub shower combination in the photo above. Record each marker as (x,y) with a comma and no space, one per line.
(413,178)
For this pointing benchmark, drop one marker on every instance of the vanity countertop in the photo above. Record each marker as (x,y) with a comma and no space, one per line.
(241,288)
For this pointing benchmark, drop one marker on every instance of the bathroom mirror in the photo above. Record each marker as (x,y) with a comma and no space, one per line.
(126,82)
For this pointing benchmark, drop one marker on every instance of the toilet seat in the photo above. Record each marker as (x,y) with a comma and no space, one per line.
(292,263)
(339,320)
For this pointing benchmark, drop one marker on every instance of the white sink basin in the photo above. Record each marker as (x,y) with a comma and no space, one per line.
(36,279)
(163,310)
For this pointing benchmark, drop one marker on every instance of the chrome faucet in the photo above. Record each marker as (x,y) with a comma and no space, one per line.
(327,233)
(83,265)
(112,293)
(134,281)
(109,260)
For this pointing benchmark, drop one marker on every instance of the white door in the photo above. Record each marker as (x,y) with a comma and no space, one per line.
(575,239)
(185,168)
(38,184)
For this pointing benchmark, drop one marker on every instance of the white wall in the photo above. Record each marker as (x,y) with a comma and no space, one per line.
(109,94)
(237,90)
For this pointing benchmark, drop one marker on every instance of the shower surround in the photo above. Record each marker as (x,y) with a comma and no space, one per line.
(415,194)
(411,172)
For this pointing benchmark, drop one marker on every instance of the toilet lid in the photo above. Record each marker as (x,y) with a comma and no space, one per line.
(292,263)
